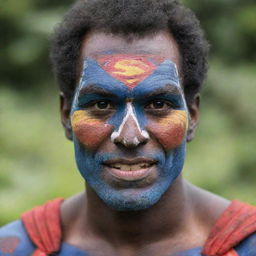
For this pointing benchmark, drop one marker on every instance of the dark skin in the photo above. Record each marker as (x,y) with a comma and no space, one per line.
(179,221)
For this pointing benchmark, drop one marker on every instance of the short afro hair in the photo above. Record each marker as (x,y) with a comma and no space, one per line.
(124,18)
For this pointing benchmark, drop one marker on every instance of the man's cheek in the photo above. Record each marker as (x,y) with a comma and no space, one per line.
(170,131)
(89,131)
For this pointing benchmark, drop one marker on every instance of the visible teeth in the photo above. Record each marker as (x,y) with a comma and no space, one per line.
(132,167)
(117,166)
(145,165)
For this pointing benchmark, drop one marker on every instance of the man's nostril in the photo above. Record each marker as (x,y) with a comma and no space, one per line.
(130,133)
(131,140)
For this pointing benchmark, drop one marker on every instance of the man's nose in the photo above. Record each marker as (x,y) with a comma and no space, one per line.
(130,135)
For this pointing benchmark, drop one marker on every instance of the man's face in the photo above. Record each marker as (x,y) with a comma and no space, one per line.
(129,119)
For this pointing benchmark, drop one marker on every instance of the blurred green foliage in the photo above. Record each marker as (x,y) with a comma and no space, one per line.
(230,27)
(37,163)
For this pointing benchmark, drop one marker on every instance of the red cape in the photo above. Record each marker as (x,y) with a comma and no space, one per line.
(43,226)
(235,224)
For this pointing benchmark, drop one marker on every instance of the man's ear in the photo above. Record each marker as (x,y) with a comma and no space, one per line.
(194,117)
(65,109)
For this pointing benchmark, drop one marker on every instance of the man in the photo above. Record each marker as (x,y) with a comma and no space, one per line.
(130,73)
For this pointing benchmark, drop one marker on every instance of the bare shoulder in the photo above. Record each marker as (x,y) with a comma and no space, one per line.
(14,240)
(71,210)
(207,206)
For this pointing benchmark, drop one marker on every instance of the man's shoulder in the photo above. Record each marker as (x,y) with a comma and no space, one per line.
(247,247)
(14,240)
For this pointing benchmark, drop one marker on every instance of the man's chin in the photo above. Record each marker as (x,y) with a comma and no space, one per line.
(131,205)
(131,199)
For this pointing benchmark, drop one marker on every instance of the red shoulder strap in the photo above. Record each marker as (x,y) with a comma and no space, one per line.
(236,223)
(43,226)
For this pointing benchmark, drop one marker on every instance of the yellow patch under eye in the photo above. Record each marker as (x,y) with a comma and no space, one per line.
(82,116)
(176,117)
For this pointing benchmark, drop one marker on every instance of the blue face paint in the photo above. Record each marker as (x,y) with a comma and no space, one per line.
(92,132)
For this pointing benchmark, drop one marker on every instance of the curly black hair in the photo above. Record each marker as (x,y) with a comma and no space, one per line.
(124,18)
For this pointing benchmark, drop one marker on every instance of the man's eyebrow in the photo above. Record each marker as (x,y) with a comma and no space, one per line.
(168,89)
(94,89)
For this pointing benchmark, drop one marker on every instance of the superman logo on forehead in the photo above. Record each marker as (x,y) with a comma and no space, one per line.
(129,69)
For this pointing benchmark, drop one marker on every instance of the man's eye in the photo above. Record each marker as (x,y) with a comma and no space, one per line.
(103,105)
(158,105)
(101,108)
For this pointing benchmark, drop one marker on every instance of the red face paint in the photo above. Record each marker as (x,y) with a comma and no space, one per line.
(170,131)
(129,69)
(89,131)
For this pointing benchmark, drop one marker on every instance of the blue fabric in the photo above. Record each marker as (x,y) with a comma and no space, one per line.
(16,230)
(26,247)
(247,247)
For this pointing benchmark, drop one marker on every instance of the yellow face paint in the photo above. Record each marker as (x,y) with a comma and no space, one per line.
(129,69)
(88,130)
(81,116)
(177,117)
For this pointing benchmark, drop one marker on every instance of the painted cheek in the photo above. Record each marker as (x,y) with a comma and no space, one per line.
(171,130)
(89,131)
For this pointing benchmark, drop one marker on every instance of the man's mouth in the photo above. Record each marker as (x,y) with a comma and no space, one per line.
(130,169)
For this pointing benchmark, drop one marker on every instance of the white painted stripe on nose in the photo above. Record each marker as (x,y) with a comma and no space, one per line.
(130,113)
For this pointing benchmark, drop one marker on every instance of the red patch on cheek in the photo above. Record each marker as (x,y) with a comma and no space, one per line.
(89,131)
(170,131)
(170,137)
(92,135)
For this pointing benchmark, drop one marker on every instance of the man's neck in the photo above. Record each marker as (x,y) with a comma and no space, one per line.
(174,218)
(163,219)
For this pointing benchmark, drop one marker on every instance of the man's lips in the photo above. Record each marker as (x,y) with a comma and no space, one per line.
(130,169)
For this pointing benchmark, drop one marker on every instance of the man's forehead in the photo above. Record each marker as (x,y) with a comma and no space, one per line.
(135,71)
(129,69)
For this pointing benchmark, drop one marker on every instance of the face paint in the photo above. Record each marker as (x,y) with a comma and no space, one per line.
(171,130)
(129,69)
(89,130)
(135,132)
(129,83)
